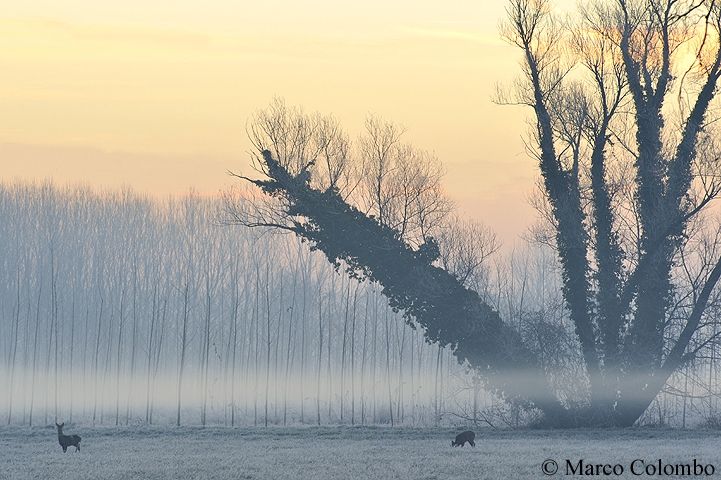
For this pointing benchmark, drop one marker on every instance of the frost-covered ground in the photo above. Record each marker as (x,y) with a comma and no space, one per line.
(340,452)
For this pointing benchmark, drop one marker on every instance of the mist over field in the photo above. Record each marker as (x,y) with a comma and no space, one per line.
(116,309)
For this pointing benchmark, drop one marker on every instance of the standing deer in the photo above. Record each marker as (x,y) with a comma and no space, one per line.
(464,437)
(67,440)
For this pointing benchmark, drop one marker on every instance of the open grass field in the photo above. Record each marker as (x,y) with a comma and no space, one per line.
(350,452)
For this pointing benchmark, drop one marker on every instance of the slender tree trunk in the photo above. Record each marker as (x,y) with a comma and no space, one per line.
(55,330)
(14,346)
(86,361)
(343,351)
(106,372)
(205,361)
(363,359)
(374,357)
(320,348)
(234,345)
(96,367)
(437,403)
(276,361)
(268,340)
(352,357)
(331,304)
(70,367)
(388,366)
(158,354)
(35,352)
(121,323)
(257,344)
(151,339)
(133,346)
(304,322)
(183,348)
(289,352)
(400,410)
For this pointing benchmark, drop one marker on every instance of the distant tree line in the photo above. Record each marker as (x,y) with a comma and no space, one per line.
(116,308)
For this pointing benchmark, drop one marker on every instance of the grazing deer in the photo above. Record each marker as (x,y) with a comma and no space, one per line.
(67,440)
(464,437)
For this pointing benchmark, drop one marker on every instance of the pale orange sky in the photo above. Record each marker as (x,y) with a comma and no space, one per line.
(155,94)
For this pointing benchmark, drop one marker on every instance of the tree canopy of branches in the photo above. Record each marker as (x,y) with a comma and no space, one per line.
(623,102)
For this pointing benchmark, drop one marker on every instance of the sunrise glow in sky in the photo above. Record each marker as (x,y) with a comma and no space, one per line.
(155,94)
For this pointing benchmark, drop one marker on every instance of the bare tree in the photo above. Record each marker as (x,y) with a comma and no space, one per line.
(464,246)
(385,234)
(618,253)
(399,184)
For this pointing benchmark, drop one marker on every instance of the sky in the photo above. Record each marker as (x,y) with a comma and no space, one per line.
(155,94)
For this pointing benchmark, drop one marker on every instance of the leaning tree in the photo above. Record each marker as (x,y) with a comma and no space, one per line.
(623,103)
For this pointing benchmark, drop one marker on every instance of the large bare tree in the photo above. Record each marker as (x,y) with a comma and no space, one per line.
(623,142)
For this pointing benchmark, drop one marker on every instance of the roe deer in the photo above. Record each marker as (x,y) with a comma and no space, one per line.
(67,440)
(464,437)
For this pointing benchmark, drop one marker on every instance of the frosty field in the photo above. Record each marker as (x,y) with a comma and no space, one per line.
(344,452)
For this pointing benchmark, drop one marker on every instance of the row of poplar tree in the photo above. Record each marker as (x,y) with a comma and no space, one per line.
(117,308)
